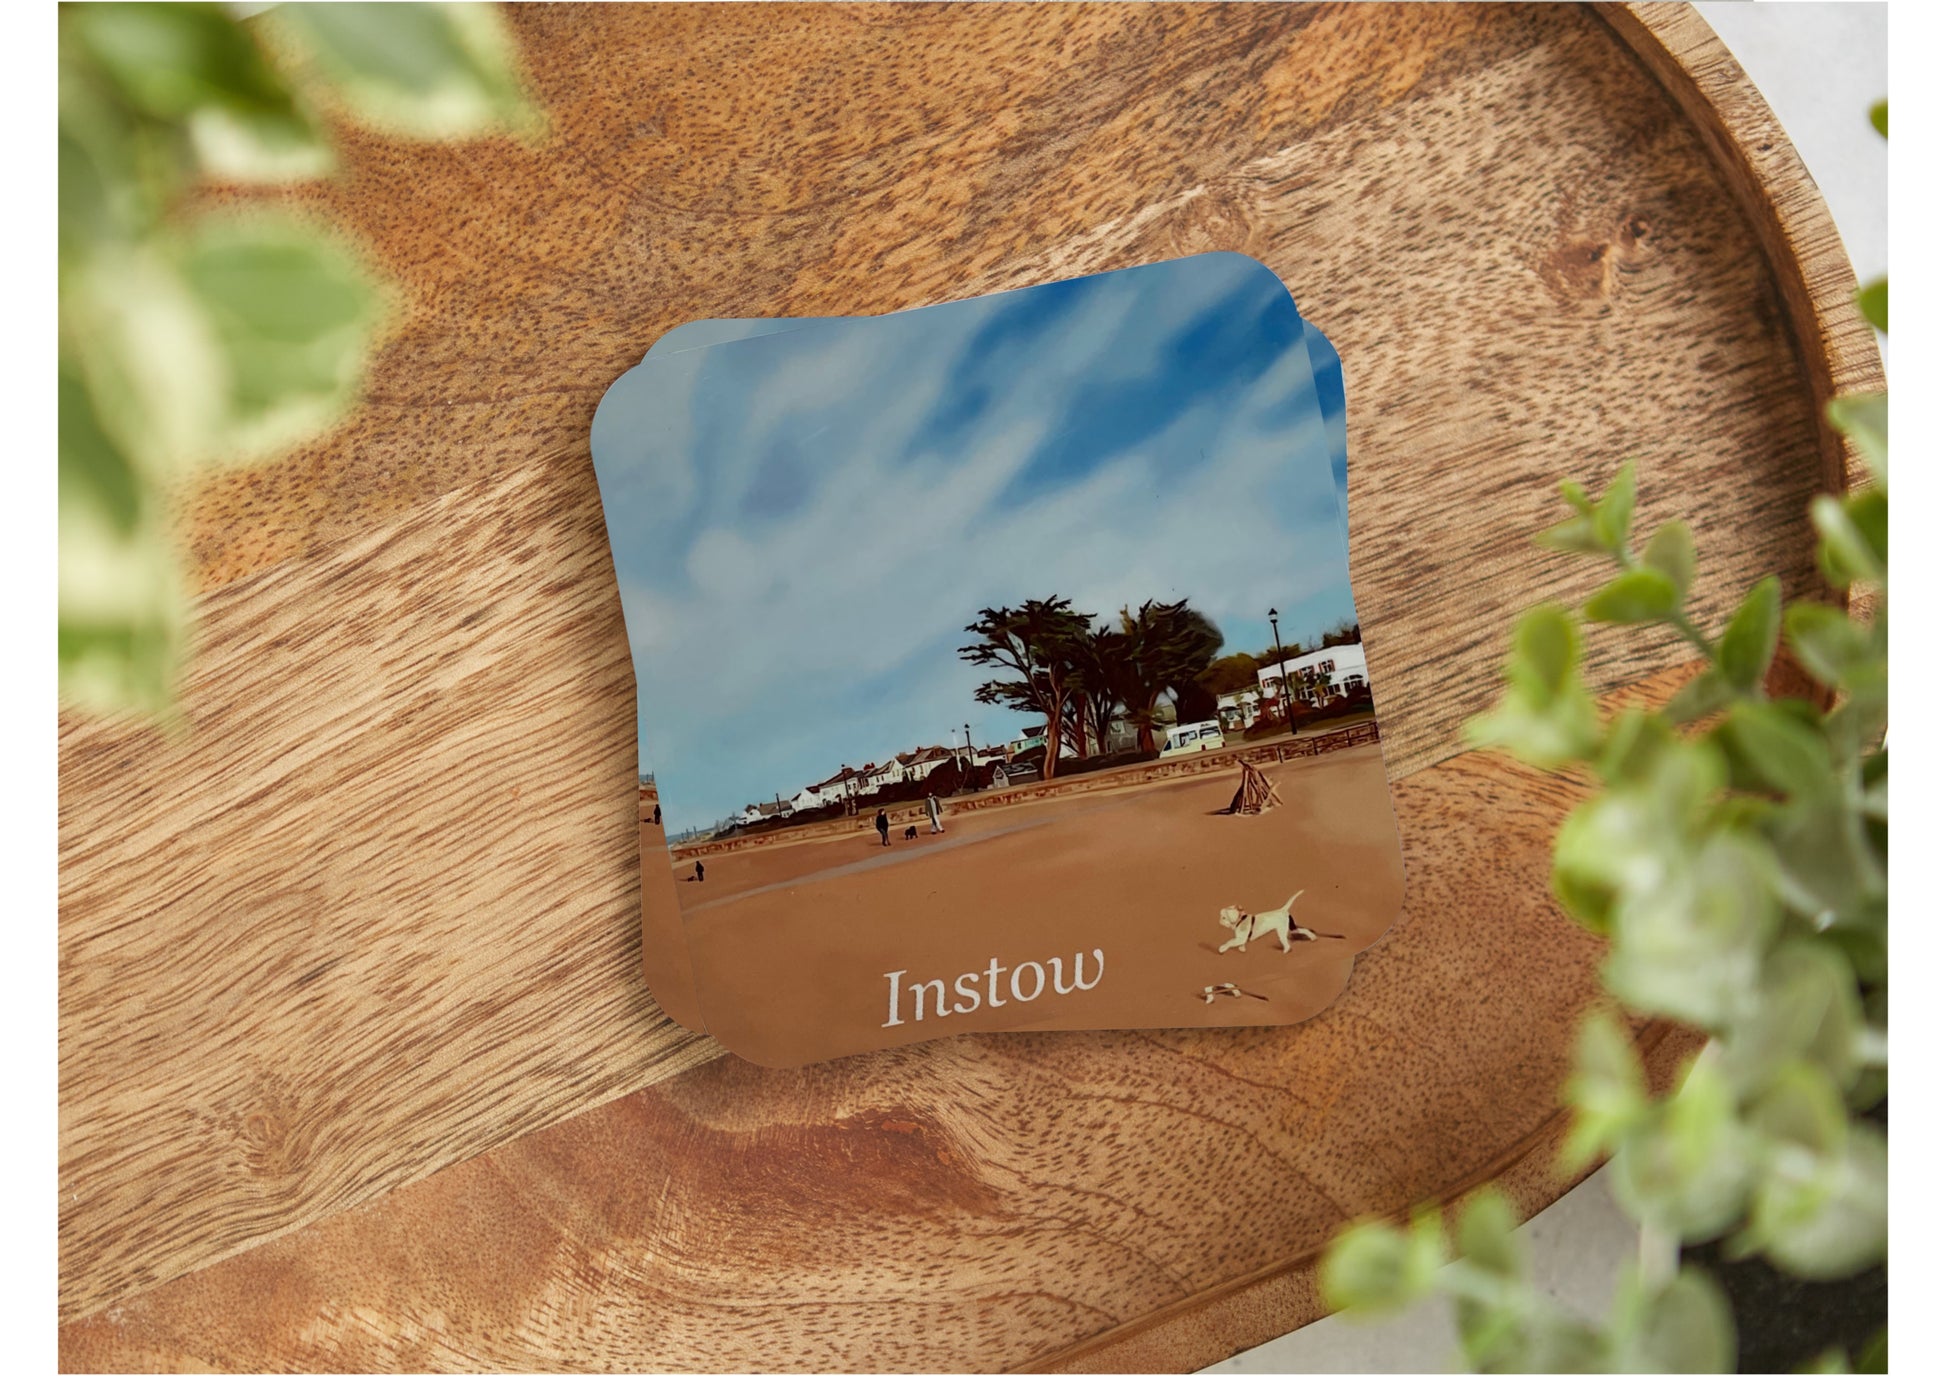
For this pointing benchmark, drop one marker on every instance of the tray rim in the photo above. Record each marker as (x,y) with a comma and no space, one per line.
(1837,351)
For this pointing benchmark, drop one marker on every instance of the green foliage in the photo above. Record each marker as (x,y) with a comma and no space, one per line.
(192,337)
(1871,299)
(1733,853)
(1231,674)
(442,71)
(1373,1268)
(1547,717)
(1058,665)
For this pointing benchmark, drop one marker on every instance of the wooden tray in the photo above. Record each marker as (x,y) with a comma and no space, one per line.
(357,1069)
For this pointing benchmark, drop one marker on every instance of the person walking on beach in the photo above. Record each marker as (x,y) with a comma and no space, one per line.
(884,825)
(932,813)
(699,871)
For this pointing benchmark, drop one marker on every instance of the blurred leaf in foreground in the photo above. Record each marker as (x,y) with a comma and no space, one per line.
(188,339)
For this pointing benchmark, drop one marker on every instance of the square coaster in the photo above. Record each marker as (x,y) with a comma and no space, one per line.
(1058,511)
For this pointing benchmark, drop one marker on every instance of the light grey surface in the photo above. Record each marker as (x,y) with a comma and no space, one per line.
(1820,65)
(1578,1245)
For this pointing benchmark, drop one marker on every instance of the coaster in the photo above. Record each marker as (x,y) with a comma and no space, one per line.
(870,567)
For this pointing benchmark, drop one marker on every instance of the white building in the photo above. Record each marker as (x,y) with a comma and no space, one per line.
(1316,677)
(1239,711)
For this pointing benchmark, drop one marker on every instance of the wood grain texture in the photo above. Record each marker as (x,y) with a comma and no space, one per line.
(351,927)
(372,920)
(973,1203)
(1779,200)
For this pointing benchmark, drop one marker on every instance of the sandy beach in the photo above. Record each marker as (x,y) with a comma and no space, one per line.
(792,946)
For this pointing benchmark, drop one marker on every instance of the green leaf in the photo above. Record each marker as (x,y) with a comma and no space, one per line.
(1488,1234)
(1616,509)
(1671,551)
(1688,1171)
(294,315)
(1636,740)
(1806,1010)
(1686,1326)
(1822,1215)
(120,613)
(1576,496)
(1864,418)
(1878,119)
(1853,547)
(1871,299)
(145,349)
(1800,1106)
(1638,595)
(1707,693)
(1606,1091)
(434,71)
(93,470)
(1373,1267)
(1548,735)
(1750,640)
(1547,717)
(1830,1362)
(1827,642)
(1546,652)
(1691,926)
(194,66)
(1576,535)
(1774,741)
(170,60)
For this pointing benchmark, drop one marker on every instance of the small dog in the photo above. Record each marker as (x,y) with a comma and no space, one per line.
(912,833)
(1277,922)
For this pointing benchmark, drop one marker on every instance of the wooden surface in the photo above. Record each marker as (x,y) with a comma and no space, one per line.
(356,1065)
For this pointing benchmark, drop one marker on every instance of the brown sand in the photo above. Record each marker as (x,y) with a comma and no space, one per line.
(790,946)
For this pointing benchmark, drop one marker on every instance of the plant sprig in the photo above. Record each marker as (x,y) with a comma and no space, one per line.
(188,339)
(1734,856)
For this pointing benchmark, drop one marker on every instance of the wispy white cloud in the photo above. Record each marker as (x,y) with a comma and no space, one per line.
(803,522)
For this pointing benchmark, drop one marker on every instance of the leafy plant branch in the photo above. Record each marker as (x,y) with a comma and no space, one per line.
(191,337)
(1733,854)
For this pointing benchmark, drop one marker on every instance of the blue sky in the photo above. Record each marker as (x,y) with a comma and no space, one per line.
(803,523)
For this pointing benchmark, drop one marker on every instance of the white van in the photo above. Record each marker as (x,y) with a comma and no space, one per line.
(1193,736)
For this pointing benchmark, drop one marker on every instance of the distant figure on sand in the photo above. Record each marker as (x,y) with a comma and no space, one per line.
(932,813)
(699,871)
(884,825)
(658,814)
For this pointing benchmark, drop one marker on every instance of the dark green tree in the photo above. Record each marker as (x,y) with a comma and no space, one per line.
(1231,674)
(1036,643)
(1167,646)
(1100,658)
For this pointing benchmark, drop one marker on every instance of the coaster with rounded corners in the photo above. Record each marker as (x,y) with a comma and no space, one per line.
(871,566)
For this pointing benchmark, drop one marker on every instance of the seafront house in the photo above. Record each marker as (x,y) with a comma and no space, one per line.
(1315,677)
(905,767)
(1239,711)
(763,812)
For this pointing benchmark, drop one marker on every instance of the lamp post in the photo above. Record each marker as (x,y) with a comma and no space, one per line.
(1283,683)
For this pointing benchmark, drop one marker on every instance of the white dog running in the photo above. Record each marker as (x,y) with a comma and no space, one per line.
(1278,922)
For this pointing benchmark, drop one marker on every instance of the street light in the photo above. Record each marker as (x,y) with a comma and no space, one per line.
(1283,683)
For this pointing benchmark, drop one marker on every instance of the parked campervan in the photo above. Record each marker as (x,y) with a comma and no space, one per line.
(1191,737)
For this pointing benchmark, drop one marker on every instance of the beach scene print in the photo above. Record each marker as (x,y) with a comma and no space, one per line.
(998,667)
